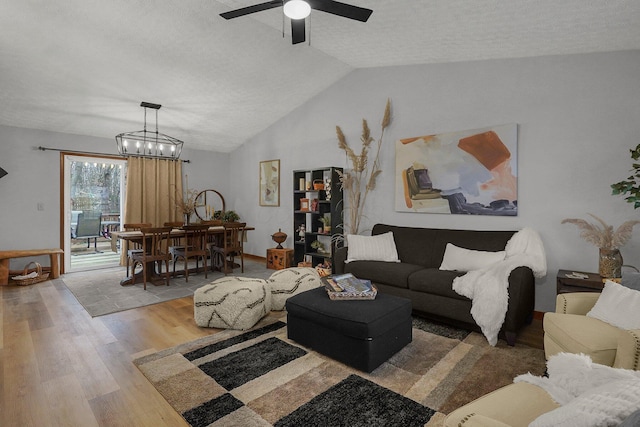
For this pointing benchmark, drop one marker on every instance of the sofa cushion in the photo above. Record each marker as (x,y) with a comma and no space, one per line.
(388,273)
(435,281)
(462,259)
(372,248)
(426,246)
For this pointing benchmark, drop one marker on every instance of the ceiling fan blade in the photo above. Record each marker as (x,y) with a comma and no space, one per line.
(341,9)
(251,9)
(297,31)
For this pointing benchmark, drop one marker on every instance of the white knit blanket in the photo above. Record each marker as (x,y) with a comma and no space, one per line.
(488,287)
(590,394)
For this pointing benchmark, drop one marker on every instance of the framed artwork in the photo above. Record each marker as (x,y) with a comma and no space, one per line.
(472,172)
(270,183)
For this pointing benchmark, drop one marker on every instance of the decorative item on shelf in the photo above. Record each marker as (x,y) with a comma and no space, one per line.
(314,205)
(360,180)
(301,232)
(326,222)
(304,205)
(308,185)
(279,238)
(324,269)
(318,185)
(318,246)
(301,184)
(607,241)
(145,143)
(327,188)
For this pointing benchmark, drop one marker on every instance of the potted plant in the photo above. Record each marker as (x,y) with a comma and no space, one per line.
(326,224)
(226,216)
(318,246)
(607,241)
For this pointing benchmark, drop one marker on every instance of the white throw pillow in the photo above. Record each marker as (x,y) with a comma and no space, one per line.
(618,306)
(461,259)
(381,247)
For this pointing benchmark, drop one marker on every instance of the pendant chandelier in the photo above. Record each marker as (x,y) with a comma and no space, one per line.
(145,143)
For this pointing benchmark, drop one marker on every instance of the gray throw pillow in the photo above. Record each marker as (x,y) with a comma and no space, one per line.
(631,279)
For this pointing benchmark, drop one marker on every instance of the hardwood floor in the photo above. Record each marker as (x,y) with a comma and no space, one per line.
(60,367)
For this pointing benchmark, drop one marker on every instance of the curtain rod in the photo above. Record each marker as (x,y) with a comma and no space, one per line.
(98,154)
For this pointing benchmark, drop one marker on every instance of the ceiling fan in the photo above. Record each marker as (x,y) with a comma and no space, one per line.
(298,10)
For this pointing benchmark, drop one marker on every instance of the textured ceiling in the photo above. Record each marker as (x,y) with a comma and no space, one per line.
(83,66)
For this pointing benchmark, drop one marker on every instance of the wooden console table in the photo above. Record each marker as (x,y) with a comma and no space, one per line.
(6,256)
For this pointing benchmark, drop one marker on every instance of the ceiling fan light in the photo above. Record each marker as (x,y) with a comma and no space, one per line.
(297,9)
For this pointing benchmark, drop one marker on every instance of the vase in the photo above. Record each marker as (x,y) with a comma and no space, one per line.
(187,219)
(610,266)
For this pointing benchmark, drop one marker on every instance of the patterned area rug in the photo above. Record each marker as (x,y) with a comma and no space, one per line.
(261,378)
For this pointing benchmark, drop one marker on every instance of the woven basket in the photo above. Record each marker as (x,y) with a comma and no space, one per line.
(32,280)
(318,185)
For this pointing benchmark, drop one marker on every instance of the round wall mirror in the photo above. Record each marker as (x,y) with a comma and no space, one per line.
(208,202)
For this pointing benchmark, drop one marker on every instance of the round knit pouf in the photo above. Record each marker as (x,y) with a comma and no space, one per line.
(231,303)
(289,282)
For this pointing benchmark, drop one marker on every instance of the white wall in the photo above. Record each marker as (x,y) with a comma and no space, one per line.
(577,118)
(33,177)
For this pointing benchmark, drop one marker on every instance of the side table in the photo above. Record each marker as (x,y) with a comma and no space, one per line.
(279,259)
(593,283)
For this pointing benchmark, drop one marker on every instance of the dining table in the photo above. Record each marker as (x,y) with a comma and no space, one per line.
(152,275)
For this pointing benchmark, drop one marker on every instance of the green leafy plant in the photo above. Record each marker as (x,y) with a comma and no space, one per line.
(631,185)
(226,216)
(326,221)
(358,181)
(317,245)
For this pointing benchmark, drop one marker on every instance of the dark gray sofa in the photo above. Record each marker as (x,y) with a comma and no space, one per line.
(418,277)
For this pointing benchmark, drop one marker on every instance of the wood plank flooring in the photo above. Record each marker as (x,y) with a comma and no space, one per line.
(60,367)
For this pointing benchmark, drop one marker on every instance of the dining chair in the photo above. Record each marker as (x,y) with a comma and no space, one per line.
(195,247)
(176,241)
(155,249)
(231,245)
(135,247)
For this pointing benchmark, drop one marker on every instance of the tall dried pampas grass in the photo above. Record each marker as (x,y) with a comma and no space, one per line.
(602,235)
(358,181)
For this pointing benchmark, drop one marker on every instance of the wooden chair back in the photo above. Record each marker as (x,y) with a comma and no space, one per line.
(155,249)
(232,244)
(195,247)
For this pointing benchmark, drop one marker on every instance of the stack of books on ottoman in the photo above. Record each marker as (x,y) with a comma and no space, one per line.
(348,287)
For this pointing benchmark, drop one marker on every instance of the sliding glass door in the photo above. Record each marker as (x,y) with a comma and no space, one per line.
(94,189)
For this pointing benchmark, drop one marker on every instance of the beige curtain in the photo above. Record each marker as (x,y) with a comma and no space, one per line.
(152,188)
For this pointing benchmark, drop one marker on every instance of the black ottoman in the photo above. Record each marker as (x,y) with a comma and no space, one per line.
(361,334)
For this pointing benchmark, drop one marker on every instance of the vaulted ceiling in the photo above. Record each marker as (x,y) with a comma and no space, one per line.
(84,66)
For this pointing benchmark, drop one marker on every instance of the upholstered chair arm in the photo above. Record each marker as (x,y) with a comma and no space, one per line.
(628,351)
(576,302)
(475,420)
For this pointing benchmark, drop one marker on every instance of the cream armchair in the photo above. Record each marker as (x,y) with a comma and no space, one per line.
(570,330)
(566,330)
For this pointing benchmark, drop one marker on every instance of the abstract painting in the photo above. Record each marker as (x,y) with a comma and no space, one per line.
(270,183)
(472,172)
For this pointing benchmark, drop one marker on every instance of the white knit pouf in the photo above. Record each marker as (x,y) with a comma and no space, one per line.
(289,282)
(231,303)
